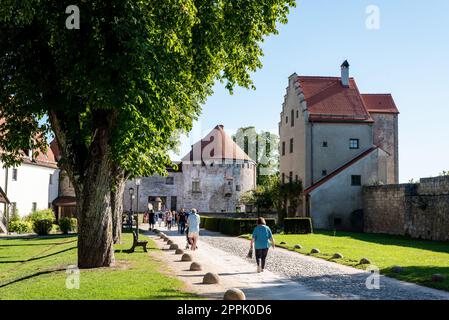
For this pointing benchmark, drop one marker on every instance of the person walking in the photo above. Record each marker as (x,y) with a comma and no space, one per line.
(182,222)
(193,223)
(159,219)
(169,218)
(151,219)
(261,238)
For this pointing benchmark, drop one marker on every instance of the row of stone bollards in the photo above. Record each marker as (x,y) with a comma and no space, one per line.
(209,278)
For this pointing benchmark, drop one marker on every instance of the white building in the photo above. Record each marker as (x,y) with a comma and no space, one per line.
(31,186)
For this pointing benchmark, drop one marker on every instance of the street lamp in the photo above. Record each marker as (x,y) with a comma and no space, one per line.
(131,193)
(137,208)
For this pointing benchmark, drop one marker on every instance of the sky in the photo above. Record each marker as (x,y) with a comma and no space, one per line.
(405,52)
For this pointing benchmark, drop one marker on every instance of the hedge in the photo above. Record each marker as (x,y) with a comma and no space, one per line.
(298,225)
(231,226)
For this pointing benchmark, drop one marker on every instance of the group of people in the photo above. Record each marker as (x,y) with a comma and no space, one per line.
(187,222)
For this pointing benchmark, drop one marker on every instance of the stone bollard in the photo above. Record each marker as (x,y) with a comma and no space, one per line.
(234,294)
(195,266)
(179,251)
(298,246)
(315,250)
(174,246)
(337,256)
(211,278)
(186,257)
(364,261)
(169,242)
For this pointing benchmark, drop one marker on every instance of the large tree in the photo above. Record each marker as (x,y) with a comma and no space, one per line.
(114,91)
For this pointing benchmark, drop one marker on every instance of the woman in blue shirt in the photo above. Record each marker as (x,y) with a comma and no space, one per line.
(261,239)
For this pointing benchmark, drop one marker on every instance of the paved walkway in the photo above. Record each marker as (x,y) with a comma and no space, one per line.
(289,275)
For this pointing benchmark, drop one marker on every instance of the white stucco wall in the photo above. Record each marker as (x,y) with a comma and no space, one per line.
(32,185)
(337,198)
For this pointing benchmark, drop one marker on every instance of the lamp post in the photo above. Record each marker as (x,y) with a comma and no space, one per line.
(137,208)
(131,193)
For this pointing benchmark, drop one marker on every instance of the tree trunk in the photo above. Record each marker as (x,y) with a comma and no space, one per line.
(95,241)
(117,203)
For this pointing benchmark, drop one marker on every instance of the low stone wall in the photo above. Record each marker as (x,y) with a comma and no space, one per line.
(239,215)
(418,210)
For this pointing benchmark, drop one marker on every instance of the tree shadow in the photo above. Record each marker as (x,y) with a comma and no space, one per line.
(40,257)
(36,244)
(37,274)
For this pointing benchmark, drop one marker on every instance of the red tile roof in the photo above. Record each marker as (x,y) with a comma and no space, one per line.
(216,145)
(340,169)
(329,101)
(380,103)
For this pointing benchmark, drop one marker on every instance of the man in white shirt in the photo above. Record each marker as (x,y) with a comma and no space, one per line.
(193,222)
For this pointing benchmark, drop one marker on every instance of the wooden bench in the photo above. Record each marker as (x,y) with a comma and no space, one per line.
(138,243)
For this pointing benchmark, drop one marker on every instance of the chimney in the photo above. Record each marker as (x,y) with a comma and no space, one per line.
(345,74)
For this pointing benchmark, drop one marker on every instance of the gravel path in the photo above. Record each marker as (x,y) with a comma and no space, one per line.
(329,278)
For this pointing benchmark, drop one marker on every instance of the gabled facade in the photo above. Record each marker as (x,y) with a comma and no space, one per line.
(335,139)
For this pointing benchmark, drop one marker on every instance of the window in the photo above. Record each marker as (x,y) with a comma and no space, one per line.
(297,113)
(237,187)
(286,119)
(292,118)
(283,148)
(169,180)
(291,145)
(324,144)
(290,177)
(51,179)
(14,174)
(196,186)
(324,173)
(356,180)
(33,207)
(353,143)
(283,178)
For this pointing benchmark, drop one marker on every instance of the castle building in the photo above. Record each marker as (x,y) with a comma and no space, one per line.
(335,140)
(210,178)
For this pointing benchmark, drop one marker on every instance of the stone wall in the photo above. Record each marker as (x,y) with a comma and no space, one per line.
(239,215)
(417,210)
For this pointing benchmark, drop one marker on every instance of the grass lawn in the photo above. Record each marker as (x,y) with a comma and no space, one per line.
(419,259)
(35,268)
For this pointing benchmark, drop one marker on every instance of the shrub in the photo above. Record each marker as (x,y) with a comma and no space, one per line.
(74,224)
(20,226)
(42,227)
(298,225)
(212,224)
(46,214)
(234,227)
(67,224)
(203,221)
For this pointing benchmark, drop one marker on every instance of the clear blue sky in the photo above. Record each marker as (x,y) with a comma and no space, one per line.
(407,56)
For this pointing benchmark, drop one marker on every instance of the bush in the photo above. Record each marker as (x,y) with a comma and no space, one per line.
(233,227)
(46,214)
(20,226)
(42,227)
(67,224)
(298,225)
